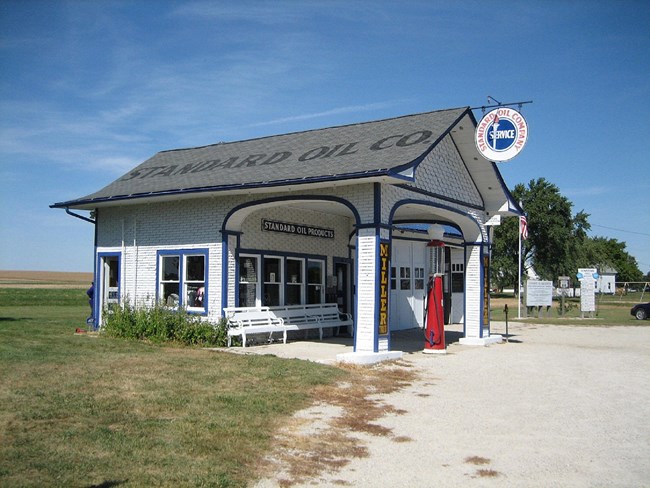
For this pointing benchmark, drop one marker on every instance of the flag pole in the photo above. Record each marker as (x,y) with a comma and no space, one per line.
(519,275)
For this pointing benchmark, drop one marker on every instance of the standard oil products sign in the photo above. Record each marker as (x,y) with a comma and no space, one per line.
(296,229)
(501,134)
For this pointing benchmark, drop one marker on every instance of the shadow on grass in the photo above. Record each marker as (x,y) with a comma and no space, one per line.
(109,483)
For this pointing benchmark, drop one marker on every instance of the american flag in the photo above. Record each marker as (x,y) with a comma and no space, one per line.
(523,227)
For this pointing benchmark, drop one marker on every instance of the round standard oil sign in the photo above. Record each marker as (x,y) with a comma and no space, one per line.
(501,134)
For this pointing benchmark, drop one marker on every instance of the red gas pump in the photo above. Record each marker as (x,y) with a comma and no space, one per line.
(434,330)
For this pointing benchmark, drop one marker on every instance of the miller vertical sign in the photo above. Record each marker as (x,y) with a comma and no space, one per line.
(501,134)
(384,272)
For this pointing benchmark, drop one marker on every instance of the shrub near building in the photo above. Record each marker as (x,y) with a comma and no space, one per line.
(162,324)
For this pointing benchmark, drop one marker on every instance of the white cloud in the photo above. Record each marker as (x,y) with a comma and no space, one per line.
(335,111)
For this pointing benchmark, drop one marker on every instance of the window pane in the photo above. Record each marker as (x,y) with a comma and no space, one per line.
(195,268)
(195,295)
(271,295)
(293,295)
(419,279)
(248,270)
(405,278)
(247,295)
(457,282)
(170,268)
(272,270)
(315,272)
(315,281)
(170,293)
(294,271)
(113,273)
(314,294)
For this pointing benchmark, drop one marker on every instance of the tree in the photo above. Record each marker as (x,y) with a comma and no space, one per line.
(557,241)
(504,266)
(555,236)
(602,252)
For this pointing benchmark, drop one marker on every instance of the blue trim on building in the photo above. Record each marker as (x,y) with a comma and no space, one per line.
(375,346)
(440,197)
(434,205)
(215,189)
(400,176)
(255,203)
(430,222)
(99,283)
(465,292)
(376,203)
(182,253)
(390,253)
(415,163)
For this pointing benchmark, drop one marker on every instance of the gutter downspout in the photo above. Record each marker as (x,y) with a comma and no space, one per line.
(67,210)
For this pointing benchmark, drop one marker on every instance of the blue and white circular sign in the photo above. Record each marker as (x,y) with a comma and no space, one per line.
(501,134)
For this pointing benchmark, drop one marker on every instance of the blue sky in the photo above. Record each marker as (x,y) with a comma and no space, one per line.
(90,89)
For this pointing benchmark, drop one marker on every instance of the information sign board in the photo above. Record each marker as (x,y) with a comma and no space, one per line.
(587,277)
(539,293)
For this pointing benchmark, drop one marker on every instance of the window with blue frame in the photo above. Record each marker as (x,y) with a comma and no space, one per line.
(270,280)
(182,278)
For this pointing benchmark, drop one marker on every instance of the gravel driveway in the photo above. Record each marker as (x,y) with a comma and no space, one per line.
(556,406)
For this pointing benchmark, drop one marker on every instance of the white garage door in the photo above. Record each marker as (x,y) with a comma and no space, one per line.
(408,284)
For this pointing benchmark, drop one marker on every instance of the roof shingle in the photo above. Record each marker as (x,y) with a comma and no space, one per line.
(372,148)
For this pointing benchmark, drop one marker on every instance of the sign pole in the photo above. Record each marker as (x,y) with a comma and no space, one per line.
(519,277)
(505,310)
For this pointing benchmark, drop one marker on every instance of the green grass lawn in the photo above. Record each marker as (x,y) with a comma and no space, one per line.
(86,410)
(610,310)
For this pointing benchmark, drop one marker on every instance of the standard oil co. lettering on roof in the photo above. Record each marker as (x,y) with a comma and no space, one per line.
(317,153)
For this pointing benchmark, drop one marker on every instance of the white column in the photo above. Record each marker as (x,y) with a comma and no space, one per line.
(473,297)
(370,346)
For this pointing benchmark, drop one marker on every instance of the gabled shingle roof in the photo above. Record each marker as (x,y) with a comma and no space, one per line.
(381,148)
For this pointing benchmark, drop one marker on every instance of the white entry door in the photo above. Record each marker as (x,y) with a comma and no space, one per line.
(408,285)
(107,286)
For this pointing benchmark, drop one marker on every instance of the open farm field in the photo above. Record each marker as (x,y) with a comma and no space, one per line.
(44,279)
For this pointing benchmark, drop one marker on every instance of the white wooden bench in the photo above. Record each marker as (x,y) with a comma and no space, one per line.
(243,321)
(333,317)
(314,316)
